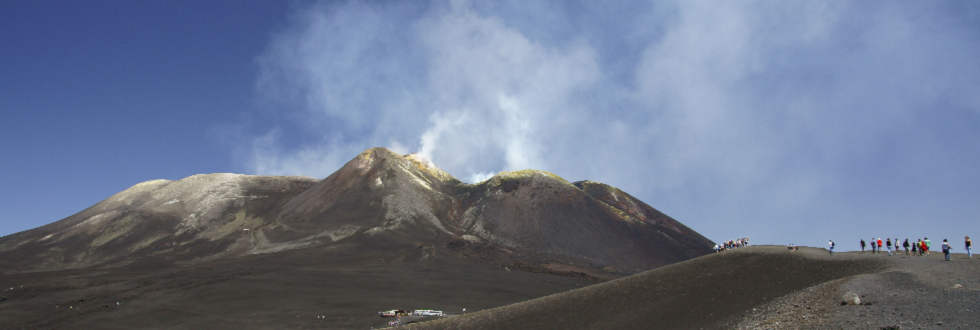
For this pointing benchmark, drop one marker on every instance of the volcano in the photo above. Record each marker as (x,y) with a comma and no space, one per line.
(385,231)
(528,220)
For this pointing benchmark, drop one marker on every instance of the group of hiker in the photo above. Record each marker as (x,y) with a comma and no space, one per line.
(921,247)
(877,246)
(732,244)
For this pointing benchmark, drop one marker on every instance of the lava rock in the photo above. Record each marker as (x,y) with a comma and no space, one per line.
(851,298)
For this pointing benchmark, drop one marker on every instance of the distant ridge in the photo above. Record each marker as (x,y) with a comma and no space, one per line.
(530,220)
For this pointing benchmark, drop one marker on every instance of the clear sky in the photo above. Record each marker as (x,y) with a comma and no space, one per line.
(786,122)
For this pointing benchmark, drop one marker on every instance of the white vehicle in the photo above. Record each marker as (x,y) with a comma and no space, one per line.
(427,312)
(393,313)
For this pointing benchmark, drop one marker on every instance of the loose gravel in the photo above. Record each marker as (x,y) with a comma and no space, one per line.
(911,293)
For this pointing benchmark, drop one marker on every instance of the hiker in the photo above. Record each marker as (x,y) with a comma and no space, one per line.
(880,246)
(969,247)
(862,245)
(946,249)
(888,243)
(906,246)
(874,246)
(928,245)
(922,247)
(915,247)
(831,247)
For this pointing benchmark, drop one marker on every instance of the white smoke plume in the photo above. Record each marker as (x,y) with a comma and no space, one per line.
(733,117)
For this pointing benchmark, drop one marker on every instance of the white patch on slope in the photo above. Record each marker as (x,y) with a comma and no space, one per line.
(92,224)
(417,179)
(340,233)
(205,196)
(405,203)
(374,231)
(136,191)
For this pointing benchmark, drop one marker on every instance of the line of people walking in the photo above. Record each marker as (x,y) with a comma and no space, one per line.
(878,246)
(921,247)
(732,244)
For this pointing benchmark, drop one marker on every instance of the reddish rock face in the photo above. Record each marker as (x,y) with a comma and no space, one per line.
(529,220)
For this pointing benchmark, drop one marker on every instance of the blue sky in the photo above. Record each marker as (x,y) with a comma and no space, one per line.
(786,122)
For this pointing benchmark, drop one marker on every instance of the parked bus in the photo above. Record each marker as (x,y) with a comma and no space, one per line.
(427,312)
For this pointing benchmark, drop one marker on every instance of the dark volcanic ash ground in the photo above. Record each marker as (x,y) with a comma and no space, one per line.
(760,287)
(286,290)
(910,293)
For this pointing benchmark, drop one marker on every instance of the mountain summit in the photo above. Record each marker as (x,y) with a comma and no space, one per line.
(530,220)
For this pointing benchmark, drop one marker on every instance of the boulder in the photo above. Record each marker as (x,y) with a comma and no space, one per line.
(851,298)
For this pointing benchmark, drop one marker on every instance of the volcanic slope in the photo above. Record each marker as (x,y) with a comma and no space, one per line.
(156,222)
(528,220)
(758,287)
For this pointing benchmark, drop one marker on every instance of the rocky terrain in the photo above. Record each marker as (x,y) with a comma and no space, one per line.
(759,287)
(909,293)
(198,218)
(522,250)
(528,220)
(385,231)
